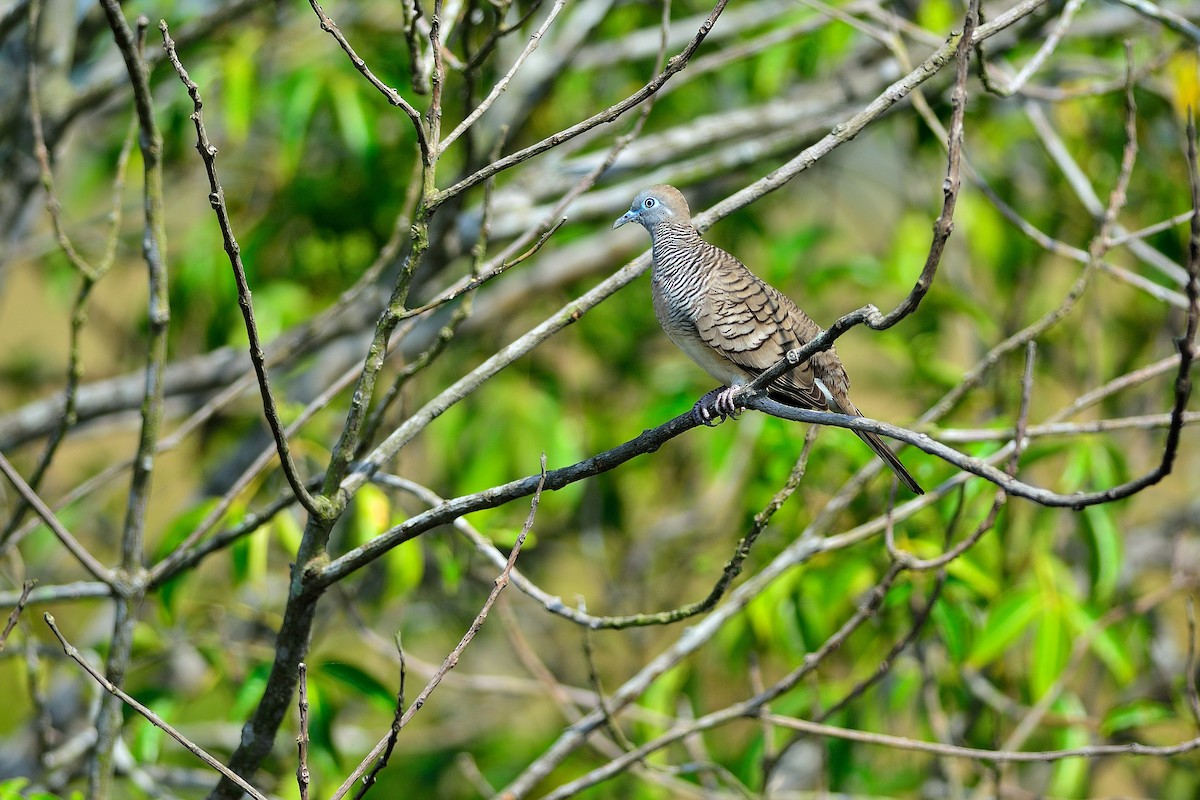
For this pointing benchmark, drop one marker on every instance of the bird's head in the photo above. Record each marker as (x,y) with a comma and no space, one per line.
(656,204)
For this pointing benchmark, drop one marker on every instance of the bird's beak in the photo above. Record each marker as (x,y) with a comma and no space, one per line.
(628,216)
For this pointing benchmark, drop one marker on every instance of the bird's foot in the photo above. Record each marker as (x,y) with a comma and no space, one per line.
(716,406)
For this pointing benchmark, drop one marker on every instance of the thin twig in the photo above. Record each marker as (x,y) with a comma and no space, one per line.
(155,720)
(1019,441)
(979,754)
(393,96)
(26,588)
(394,732)
(674,66)
(216,198)
(303,776)
(1049,44)
(154,243)
(86,559)
(501,84)
(944,224)
(451,659)
(1141,422)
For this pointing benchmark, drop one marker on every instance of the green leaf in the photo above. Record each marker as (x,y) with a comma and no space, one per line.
(352,118)
(663,696)
(371,514)
(450,570)
(1106,644)
(297,114)
(287,531)
(11,788)
(953,627)
(982,582)
(1049,654)
(250,692)
(241,96)
(1070,775)
(362,682)
(406,566)
(249,556)
(1105,544)
(148,741)
(1009,619)
(1134,715)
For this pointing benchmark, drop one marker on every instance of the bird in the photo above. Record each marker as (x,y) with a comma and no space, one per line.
(734,325)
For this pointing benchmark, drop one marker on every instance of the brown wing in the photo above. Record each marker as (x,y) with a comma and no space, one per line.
(754,326)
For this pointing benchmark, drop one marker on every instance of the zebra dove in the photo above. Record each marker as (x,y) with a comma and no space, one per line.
(733,324)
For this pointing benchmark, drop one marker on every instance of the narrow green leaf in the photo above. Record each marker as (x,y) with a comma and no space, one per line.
(352,118)
(954,628)
(1106,644)
(372,514)
(361,682)
(406,566)
(1009,619)
(1105,544)
(1070,775)
(1049,655)
(1134,715)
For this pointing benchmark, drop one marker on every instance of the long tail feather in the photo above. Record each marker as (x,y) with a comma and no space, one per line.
(884,452)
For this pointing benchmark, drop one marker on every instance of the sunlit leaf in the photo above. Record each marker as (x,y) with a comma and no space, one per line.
(371,514)
(405,566)
(1134,715)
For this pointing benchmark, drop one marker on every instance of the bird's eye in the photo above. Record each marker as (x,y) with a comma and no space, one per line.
(649,202)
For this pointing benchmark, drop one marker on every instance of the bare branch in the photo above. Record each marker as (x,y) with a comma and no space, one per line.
(216,198)
(501,84)
(26,588)
(86,559)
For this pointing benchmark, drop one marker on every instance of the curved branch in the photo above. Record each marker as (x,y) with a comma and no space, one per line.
(393,97)
(216,198)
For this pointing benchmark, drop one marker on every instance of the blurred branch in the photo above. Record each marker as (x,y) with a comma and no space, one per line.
(1165,17)
(26,588)
(130,591)
(1140,423)
(674,66)
(1078,180)
(89,274)
(979,754)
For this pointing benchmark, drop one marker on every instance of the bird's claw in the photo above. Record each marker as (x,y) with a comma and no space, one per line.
(716,406)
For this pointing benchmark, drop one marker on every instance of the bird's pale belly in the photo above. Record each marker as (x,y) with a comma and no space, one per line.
(724,370)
